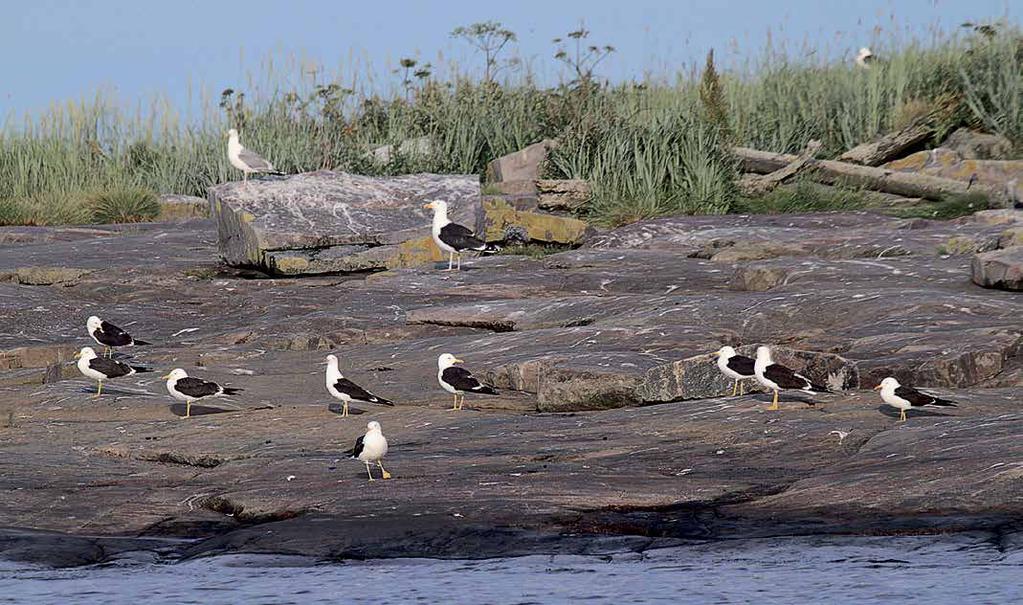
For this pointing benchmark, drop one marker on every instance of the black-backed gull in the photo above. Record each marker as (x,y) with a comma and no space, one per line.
(346,390)
(459,381)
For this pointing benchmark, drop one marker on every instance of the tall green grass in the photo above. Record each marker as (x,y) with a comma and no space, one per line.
(649,147)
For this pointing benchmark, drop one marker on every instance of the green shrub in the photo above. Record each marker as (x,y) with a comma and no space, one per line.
(123,205)
(803,196)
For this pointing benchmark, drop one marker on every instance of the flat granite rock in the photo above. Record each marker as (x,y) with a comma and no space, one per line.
(609,430)
(1001,269)
(263,221)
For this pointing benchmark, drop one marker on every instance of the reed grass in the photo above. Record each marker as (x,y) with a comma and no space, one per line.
(649,148)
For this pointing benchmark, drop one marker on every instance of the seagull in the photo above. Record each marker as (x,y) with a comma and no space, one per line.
(865,58)
(458,381)
(735,366)
(246,160)
(905,398)
(371,447)
(101,368)
(181,386)
(346,390)
(109,335)
(452,237)
(778,377)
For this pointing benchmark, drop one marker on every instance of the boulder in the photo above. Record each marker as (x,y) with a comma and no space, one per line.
(963,244)
(327,221)
(757,278)
(973,145)
(539,227)
(998,175)
(1001,269)
(175,207)
(565,195)
(410,148)
(697,377)
(522,165)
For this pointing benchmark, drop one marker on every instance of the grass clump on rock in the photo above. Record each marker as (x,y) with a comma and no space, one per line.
(123,205)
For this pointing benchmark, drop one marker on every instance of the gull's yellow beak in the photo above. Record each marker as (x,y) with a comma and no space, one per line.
(78,355)
(429,205)
(167,377)
(877,388)
(716,353)
(456,360)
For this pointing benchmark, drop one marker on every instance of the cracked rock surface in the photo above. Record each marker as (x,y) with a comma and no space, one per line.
(610,431)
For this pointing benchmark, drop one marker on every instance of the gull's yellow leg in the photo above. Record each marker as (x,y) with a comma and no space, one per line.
(454,405)
(774,404)
(99,390)
(188,408)
(902,415)
(742,388)
(461,401)
(459,262)
(735,388)
(369,473)
(385,474)
(344,410)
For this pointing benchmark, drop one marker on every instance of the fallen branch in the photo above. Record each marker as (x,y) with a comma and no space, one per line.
(754,185)
(889,147)
(832,172)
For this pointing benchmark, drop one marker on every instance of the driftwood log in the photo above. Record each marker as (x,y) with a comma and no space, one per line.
(832,172)
(753,185)
(889,147)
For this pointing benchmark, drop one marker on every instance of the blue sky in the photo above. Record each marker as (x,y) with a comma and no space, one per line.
(57,50)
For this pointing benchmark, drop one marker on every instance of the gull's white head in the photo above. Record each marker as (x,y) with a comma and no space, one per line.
(888,384)
(332,367)
(437,206)
(864,57)
(764,354)
(93,323)
(86,353)
(176,374)
(373,426)
(726,352)
(447,360)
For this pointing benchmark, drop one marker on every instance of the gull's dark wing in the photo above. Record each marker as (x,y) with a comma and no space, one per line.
(112,336)
(463,380)
(740,364)
(918,399)
(196,387)
(357,393)
(460,237)
(109,367)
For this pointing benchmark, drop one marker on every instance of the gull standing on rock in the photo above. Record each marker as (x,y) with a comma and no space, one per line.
(346,390)
(905,398)
(458,381)
(735,366)
(101,368)
(777,377)
(452,237)
(371,447)
(109,335)
(246,160)
(187,389)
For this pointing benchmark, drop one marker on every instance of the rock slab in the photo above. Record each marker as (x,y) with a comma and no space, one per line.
(1002,269)
(261,221)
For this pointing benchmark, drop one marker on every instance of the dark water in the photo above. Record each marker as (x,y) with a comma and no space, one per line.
(934,570)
